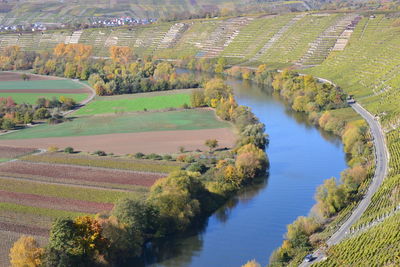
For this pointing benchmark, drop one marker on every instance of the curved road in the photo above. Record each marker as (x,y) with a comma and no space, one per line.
(381,157)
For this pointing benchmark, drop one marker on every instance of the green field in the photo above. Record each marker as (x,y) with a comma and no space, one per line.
(40,84)
(194,119)
(129,103)
(30,98)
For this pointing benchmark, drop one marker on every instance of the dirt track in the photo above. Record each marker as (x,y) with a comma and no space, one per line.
(127,143)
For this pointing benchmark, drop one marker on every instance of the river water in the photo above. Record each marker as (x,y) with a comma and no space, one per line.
(252,225)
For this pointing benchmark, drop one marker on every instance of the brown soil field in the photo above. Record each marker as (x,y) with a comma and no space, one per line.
(81,173)
(10,76)
(53,202)
(23,229)
(47,91)
(12,152)
(126,143)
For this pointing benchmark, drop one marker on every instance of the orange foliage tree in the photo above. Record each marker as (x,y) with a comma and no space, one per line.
(121,54)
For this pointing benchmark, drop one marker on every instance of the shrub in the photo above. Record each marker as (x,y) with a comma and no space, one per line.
(52,149)
(100,153)
(167,157)
(154,156)
(139,155)
(197,167)
(69,150)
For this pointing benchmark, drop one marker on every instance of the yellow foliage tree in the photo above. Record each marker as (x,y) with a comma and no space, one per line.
(26,253)
(252,263)
(121,54)
(76,52)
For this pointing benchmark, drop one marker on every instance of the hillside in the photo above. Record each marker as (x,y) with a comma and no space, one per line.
(357,52)
(51,11)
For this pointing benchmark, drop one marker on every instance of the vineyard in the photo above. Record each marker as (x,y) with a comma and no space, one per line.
(378,246)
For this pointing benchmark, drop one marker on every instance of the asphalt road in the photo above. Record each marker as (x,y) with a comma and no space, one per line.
(380,174)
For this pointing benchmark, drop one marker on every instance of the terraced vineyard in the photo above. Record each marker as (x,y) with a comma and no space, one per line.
(378,246)
(368,68)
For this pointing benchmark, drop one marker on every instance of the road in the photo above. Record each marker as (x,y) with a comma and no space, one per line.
(381,157)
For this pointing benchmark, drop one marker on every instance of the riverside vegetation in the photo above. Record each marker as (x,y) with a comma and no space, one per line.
(326,107)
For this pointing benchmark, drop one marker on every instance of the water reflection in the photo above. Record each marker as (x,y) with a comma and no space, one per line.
(179,250)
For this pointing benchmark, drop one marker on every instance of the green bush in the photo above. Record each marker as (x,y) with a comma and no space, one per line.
(69,150)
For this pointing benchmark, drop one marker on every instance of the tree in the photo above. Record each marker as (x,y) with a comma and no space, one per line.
(216,89)
(121,54)
(251,161)
(89,239)
(41,114)
(100,88)
(197,98)
(26,253)
(252,263)
(25,77)
(137,215)
(75,242)
(163,71)
(220,66)
(7,124)
(28,117)
(211,143)
(330,197)
(69,150)
(178,199)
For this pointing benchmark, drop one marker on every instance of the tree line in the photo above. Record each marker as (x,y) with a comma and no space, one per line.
(14,115)
(122,73)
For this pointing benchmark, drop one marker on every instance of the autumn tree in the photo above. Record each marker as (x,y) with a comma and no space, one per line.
(252,263)
(74,52)
(163,71)
(178,199)
(220,66)
(211,143)
(121,54)
(26,253)
(214,90)
(251,161)
(197,98)
(330,197)
(75,242)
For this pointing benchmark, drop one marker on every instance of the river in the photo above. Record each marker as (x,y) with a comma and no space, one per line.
(252,225)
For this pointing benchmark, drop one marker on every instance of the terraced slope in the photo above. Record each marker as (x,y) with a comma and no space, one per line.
(368,68)
(253,36)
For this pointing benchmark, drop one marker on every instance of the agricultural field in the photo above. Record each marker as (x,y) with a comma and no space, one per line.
(148,132)
(136,102)
(28,91)
(38,188)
